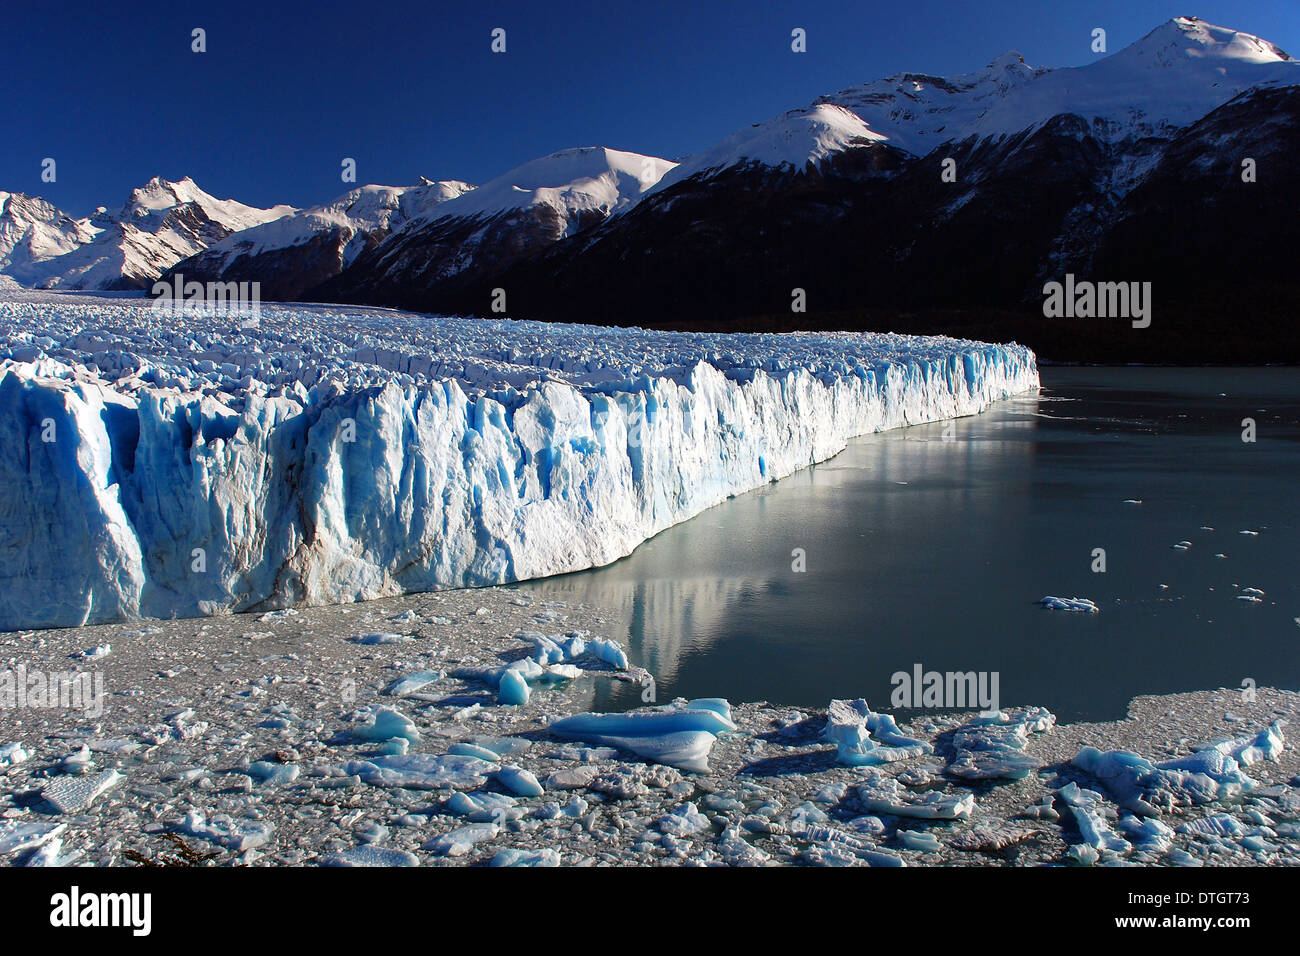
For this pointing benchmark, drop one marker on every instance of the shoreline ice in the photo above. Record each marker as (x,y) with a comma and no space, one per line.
(288,750)
(175,466)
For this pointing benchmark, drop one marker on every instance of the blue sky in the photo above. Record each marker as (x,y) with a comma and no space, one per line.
(411,88)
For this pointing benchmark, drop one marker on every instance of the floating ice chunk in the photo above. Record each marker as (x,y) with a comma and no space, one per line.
(512,688)
(1253,534)
(1132,501)
(1086,808)
(678,736)
(633,723)
(462,840)
(79,762)
(18,835)
(545,649)
(51,854)
(609,651)
(273,774)
(1146,833)
(102,650)
(1150,789)
(992,747)
(503,746)
(1181,546)
(1265,745)
(519,781)
(12,754)
(484,807)
(835,846)
(223,830)
(684,821)
(1053,603)
(850,725)
(369,855)
(73,794)
(881,793)
(735,850)
(473,750)
(413,683)
(547,857)
(924,842)
(685,750)
(378,639)
(385,723)
(1217,824)
(559,672)
(422,771)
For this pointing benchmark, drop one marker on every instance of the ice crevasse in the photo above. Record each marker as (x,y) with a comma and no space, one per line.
(179,467)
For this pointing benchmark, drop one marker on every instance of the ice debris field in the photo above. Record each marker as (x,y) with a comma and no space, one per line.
(306,743)
(166,465)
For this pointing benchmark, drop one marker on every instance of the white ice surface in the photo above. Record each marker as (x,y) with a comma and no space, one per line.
(184,466)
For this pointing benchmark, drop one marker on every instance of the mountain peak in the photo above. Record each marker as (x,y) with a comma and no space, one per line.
(1184,38)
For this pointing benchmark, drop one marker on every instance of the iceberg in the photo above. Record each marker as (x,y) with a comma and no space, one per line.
(1206,776)
(679,735)
(850,726)
(174,466)
(880,793)
(992,747)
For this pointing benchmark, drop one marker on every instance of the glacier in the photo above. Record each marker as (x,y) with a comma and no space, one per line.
(166,465)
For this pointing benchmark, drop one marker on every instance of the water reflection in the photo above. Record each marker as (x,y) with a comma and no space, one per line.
(932,544)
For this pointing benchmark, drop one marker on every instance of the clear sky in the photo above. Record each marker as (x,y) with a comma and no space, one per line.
(286,90)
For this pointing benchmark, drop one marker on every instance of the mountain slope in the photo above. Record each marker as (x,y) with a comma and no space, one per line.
(506,219)
(290,255)
(161,223)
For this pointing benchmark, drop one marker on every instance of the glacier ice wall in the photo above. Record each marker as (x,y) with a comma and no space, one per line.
(165,466)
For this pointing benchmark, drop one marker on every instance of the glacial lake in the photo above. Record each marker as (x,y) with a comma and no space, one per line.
(932,545)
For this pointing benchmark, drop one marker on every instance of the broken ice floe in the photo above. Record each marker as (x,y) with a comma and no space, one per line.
(413,683)
(993,747)
(850,726)
(1206,776)
(880,793)
(423,771)
(384,723)
(520,782)
(1089,815)
(462,840)
(380,639)
(19,835)
(72,794)
(224,830)
(546,857)
(368,855)
(679,735)
(12,754)
(1053,603)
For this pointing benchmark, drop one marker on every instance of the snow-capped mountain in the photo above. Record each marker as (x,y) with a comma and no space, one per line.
(31,230)
(297,252)
(847,201)
(1052,171)
(161,223)
(793,140)
(508,218)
